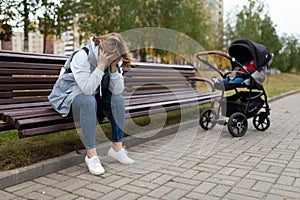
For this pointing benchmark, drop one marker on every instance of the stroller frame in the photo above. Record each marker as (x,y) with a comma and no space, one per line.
(238,107)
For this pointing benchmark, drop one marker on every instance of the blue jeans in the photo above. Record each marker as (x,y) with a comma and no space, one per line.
(85,109)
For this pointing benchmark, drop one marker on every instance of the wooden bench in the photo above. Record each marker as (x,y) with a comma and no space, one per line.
(26,79)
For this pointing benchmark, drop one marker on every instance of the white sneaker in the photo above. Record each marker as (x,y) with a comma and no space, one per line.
(94,165)
(120,156)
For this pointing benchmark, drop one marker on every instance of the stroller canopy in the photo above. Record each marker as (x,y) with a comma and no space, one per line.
(244,50)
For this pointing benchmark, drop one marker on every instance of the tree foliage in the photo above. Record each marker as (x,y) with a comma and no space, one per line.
(184,16)
(189,17)
(103,16)
(289,56)
(254,22)
(46,15)
(251,23)
(20,11)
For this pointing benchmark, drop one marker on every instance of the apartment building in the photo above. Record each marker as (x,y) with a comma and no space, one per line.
(35,42)
(215,10)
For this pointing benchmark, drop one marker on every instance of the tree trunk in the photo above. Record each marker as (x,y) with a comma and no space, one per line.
(26,25)
(44,42)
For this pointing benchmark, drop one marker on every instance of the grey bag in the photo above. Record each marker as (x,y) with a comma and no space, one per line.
(60,97)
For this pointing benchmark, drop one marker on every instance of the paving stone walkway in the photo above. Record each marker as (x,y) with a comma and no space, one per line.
(191,164)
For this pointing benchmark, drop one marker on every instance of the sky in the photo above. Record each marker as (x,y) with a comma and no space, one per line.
(285,14)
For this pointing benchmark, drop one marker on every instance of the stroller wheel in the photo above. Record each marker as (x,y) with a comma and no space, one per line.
(208,119)
(261,121)
(237,124)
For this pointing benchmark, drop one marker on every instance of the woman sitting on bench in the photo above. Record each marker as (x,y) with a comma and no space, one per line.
(93,83)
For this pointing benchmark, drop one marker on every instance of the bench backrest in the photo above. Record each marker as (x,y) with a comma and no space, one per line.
(148,78)
(29,77)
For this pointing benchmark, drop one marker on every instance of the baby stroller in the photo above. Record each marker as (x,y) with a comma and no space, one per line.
(242,105)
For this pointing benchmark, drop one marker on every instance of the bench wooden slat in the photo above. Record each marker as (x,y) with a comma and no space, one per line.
(41,121)
(137,93)
(22,111)
(6,113)
(24,105)
(24,93)
(158,85)
(7,71)
(157,94)
(29,66)
(13,56)
(6,127)
(6,94)
(155,89)
(180,101)
(46,129)
(13,119)
(156,80)
(169,108)
(145,65)
(152,71)
(9,114)
(167,98)
(22,100)
(21,80)
(25,86)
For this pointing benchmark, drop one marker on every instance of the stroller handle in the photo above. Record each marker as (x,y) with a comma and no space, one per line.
(220,53)
(205,53)
(216,52)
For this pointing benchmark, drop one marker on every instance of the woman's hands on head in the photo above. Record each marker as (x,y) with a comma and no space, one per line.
(114,65)
(111,47)
(105,59)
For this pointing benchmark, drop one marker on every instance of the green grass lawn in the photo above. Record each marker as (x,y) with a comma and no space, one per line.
(281,83)
(15,152)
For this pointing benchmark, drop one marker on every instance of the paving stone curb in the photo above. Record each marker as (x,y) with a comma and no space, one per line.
(283,95)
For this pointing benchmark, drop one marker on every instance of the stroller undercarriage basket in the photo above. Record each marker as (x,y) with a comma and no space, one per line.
(244,102)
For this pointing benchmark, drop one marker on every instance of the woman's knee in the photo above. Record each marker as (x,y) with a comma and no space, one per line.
(87,101)
(90,101)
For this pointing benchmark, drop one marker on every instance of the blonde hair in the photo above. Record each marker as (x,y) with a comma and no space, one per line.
(114,43)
